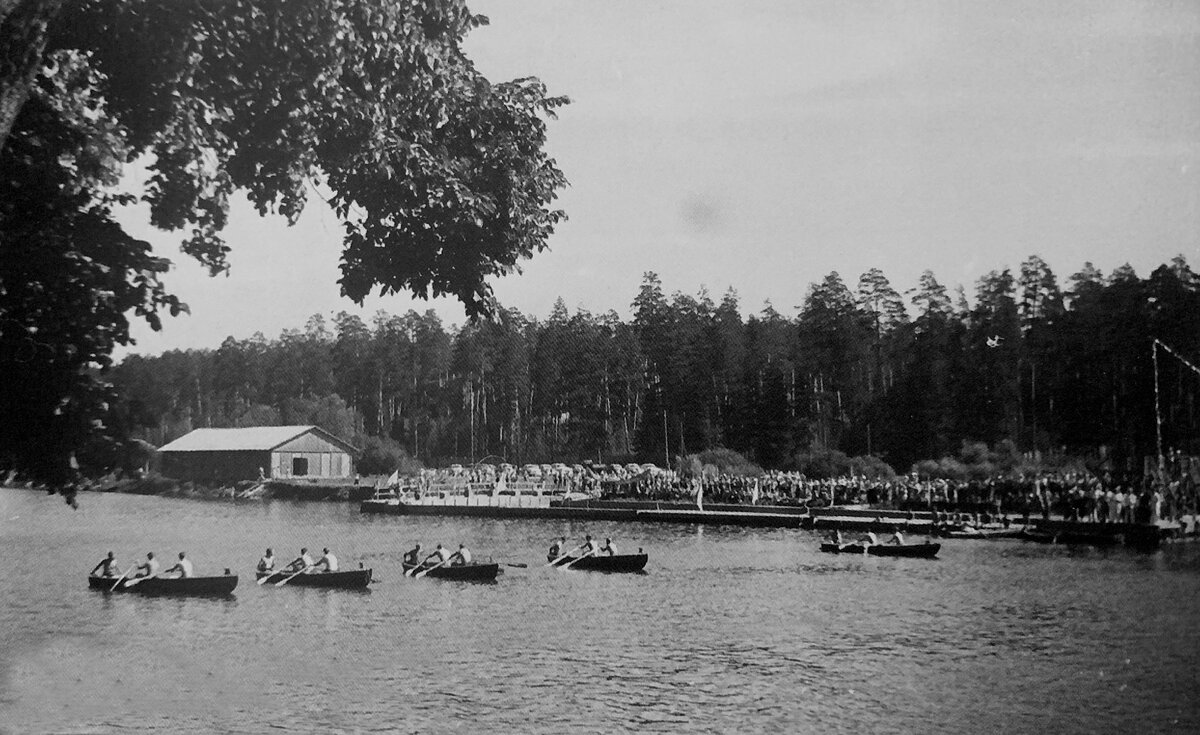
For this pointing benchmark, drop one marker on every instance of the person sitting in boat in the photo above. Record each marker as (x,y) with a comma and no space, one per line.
(329,561)
(558,547)
(108,564)
(589,546)
(609,547)
(267,563)
(148,568)
(412,557)
(462,557)
(896,538)
(439,557)
(183,567)
(869,539)
(835,536)
(301,563)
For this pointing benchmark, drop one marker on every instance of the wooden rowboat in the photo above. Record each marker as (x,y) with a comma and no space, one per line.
(921,551)
(352,579)
(473,572)
(222,585)
(832,548)
(617,563)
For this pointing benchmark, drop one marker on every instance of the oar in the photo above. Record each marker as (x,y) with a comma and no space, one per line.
(564,556)
(123,576)
(272,574)
(517,566)
(289,579)
(423,572)
(578,559)
(131,582)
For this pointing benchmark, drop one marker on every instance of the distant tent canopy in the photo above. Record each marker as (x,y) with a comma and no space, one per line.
(243,454)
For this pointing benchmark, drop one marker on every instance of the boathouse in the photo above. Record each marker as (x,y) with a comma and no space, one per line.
(281,452)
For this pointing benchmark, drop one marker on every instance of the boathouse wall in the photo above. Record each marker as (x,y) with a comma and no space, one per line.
(311,455)
(215,466)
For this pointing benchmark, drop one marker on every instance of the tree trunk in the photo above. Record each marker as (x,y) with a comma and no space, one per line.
(23,25)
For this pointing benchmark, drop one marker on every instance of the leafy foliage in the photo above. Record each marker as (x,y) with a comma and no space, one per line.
(438,175)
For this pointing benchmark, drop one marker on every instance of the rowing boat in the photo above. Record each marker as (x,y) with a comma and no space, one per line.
(832,548)
(923,551)
(617,563)
(222,585)
(349,579)
(473,572)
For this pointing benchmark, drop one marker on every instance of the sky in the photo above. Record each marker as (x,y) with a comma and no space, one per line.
(760,145)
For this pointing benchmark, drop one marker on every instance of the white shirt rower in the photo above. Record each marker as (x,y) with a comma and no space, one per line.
(150,566)
(183,566)
(329,561)
(463,555)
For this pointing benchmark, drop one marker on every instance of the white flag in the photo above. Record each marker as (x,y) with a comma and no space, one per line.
(699,494)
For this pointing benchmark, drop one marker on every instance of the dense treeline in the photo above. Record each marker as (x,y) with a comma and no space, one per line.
(859,369)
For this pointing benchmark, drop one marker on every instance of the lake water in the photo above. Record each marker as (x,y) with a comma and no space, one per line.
(730,630)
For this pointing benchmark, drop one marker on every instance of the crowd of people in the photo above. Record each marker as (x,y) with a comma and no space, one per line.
(1071,496)
(1076,496)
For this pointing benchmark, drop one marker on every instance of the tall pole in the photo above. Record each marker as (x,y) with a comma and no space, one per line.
(666,446)
(1162,466)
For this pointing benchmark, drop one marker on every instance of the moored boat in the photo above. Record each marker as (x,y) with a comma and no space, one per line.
(349,579)
(616,563)
(1077,538)
(473,572)
(221,585)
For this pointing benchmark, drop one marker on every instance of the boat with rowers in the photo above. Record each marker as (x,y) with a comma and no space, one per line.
(473,572)
(349,579)
(603,563)
(209,586)
(920,551)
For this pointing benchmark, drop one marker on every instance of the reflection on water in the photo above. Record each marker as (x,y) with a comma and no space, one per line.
(730,630)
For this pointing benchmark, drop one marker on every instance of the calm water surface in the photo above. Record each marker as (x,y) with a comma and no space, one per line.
(731,630)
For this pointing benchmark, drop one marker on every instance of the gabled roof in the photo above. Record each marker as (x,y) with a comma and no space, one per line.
(250,438)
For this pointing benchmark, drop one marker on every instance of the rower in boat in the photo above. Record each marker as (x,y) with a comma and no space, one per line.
(589,546)
(609,547)
(869,539)
(835,536)
(412,557)
(183,567)
(267,563)
(462,557)
(558,547)
(439,557)
(301,563)
(897,539)
(148,568)
(108,564)
(329,561)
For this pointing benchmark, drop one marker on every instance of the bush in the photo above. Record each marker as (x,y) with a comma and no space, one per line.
(383,456)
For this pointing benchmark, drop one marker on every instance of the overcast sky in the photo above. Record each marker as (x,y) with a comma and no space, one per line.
(761,145)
